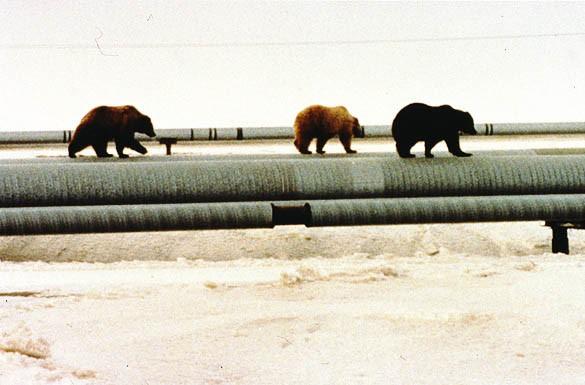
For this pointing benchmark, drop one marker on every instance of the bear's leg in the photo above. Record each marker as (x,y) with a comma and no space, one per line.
(346,141)
(101,149)
(453,145)
(403,149)
(429,144)
(302,145)
(120,149)
(136,146)
(321,140)
(298,143)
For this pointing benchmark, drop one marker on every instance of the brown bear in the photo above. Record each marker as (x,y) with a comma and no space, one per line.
(323,123)
(105,123)
(420,122)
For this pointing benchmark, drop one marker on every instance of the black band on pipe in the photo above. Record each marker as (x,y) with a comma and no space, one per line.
(291,214)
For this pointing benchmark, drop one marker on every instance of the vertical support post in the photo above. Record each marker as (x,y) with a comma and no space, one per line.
(168,142)
(560,240)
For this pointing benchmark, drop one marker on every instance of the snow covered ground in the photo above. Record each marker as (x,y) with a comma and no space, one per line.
(419,304)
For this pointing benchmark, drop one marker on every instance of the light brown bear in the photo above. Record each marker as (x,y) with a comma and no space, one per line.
(323,123)
(105,123)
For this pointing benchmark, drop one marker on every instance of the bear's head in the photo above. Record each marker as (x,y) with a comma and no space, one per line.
(144,125)
(466,123)
(356,129)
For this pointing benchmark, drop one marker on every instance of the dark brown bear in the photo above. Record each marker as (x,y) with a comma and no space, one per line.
(104,123)
(420,122)
(324,123)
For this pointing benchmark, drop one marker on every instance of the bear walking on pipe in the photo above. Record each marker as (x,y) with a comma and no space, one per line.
(104,123)
(420,122)
(323,123)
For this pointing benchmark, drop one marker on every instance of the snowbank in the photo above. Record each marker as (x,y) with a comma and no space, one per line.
(362,319)
(404,304)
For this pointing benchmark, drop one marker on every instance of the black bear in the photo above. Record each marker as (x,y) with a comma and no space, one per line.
(105,123)
(420,122)
(323,123)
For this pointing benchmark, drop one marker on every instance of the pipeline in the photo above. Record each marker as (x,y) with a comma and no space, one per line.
(130,218)
(278,157)
(35,137)
(116,183)
(240,215)
(505,208)
(284,132)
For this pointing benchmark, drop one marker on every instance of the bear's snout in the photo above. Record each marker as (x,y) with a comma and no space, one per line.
(149,132)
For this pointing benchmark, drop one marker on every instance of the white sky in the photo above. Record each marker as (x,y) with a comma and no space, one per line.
(52,72)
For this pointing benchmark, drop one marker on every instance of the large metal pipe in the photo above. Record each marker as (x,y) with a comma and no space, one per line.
(32,137)
(267,133)
(499,129)
(238,215)
(61,184)
(504,208)
(129,218)
(277,157)
(369,131)
(531,128)
(286,132)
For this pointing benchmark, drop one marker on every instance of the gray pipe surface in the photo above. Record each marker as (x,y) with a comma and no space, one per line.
(63,184)
(31,137)
(131,218)
(500,129)
(531,128)
(239,215)
(504,208)
(277,157)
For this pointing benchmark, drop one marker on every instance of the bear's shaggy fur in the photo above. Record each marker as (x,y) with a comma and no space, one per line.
(105,123)
(323,123)
(420,122)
